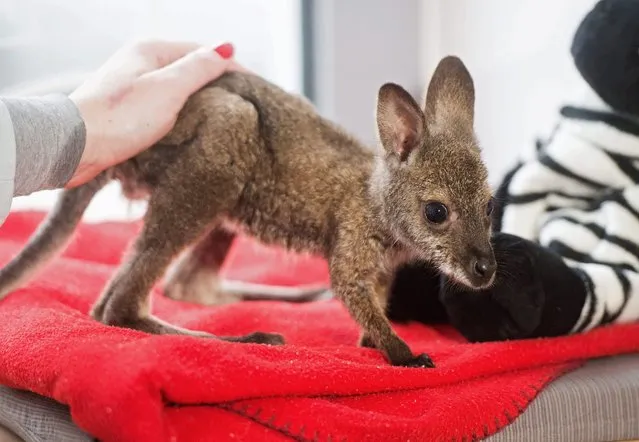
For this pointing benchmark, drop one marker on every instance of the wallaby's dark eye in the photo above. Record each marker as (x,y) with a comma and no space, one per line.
(489,208)
(435,212)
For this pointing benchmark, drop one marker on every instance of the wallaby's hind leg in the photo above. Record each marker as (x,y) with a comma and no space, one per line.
(194,276)
(126,300)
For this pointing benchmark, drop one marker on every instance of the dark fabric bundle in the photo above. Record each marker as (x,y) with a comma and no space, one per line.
(605,50)
(567,221)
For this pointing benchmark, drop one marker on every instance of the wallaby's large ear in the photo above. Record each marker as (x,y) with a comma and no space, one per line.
(451,95)
(400,121)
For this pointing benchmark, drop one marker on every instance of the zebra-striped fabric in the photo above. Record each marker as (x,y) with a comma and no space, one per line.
(579,197)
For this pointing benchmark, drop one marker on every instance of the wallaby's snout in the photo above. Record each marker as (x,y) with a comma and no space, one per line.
(481,268)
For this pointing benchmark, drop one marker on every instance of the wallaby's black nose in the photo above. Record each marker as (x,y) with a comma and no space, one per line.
(484,268)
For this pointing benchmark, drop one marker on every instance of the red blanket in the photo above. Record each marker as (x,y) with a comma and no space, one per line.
(122,385)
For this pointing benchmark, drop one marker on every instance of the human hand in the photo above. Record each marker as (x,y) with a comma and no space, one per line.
(133,100)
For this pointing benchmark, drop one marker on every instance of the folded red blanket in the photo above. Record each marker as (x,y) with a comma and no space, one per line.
(122,385)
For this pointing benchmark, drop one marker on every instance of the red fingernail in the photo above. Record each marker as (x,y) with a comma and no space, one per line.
(225,50)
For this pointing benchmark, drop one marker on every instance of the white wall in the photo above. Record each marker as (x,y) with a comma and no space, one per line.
(360,45)
(42,38)
(518,52)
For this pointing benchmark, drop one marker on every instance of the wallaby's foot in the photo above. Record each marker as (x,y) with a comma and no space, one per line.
(150,324)
(257,338)
(156,326)
(422,360)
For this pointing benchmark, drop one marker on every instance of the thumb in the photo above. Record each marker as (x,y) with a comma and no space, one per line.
(190,73)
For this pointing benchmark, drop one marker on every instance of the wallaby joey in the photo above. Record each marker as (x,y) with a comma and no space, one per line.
(246,156)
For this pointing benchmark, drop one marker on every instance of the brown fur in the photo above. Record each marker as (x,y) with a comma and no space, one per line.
(246,155)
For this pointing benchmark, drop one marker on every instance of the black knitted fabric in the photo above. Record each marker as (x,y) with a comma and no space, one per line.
(605,50)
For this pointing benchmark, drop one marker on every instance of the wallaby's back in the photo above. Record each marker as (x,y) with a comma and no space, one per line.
(277,145)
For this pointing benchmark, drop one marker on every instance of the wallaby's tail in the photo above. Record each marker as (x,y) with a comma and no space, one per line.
(51,236)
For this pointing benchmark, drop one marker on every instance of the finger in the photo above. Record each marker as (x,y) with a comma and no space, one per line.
(162,53)
(235,66)
(191,72)
(227,51)
(145,56)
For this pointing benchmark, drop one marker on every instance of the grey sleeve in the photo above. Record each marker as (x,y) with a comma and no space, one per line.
(41,143)
(7,161)
(49,138)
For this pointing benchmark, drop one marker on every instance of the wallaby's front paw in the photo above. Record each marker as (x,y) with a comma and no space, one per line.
(422,361)
(400,355)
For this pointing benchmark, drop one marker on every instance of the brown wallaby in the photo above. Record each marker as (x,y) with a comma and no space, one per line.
(247,155)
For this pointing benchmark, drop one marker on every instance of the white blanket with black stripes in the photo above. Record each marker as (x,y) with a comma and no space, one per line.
(579,197)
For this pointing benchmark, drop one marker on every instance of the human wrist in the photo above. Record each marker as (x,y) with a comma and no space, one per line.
(88,161)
